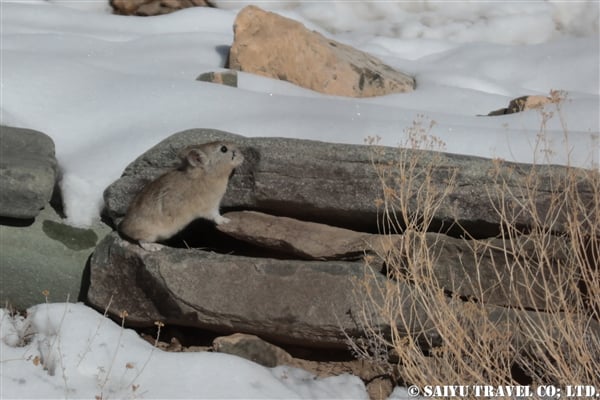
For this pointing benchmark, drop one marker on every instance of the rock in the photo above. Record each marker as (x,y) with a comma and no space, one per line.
(297,239)
(307,180)
(252,348)
(47,255)
(337,184)
(28,172)
(307,303)
(289,301)
(524,103)
(153,7)
(380,388)
(271,45)
(228,78)
(480,270)
(379,384)
(315,361)
(458,264)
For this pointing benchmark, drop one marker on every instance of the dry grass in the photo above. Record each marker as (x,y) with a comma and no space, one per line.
(558,253)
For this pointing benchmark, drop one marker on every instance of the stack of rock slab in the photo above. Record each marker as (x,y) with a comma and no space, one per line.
(307,210)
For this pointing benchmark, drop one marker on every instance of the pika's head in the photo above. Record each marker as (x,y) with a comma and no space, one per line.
(214,157)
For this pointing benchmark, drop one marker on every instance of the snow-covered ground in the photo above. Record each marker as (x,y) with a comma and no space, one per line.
(71,351)
(106,88)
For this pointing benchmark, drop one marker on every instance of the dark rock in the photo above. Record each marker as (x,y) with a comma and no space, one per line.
(228,78)
(28,172)
(524,103)
(148,8)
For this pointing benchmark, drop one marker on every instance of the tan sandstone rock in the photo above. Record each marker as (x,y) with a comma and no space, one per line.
(524,103)
(271,45)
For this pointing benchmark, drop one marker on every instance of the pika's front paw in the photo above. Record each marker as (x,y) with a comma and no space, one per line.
(221,220)
(148,246)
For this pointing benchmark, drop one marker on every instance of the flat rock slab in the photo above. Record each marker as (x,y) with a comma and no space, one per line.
(297,302)
(297,239)
(477,269)
(28,172)
(337,184)
(268,44)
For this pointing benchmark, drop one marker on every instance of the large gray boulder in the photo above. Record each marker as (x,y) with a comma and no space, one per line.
(28,172)
(338,184)
(308,303)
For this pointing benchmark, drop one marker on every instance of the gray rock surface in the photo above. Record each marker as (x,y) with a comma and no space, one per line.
(252,348)
(28,172)
(307,303)
(295,238)
(337,184)
(46,255)
(476,269)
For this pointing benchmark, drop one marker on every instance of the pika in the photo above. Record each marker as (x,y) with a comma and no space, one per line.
(194,190)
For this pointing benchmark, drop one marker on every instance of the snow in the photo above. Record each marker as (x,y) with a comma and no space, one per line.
(109,87)
(67,350)
(106,88)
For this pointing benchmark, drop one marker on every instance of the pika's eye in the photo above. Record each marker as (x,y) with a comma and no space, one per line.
(223,149)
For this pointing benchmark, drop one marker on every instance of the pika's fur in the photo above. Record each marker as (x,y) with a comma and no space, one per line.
(194,190)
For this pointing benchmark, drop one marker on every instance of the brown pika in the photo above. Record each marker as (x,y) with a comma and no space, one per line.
(194,190)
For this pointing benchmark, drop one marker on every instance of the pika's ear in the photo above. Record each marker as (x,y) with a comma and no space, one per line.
(194,157)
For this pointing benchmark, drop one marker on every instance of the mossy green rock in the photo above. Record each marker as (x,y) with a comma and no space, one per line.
(47,255)
(73,238)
